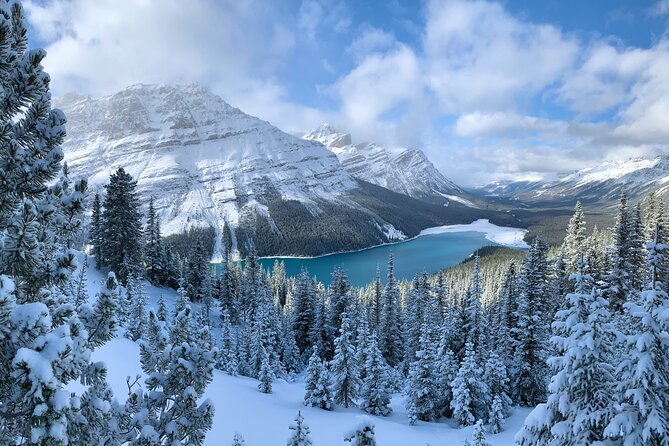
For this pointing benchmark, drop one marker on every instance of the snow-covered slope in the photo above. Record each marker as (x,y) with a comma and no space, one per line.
(599,184)
(206,163)
(403,170)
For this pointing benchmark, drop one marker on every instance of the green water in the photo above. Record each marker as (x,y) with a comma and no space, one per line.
(427,253)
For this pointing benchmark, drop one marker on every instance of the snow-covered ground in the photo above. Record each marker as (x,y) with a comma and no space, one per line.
(513,237)
(263,419)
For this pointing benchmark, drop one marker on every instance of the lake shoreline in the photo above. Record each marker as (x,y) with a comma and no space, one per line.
(491,231)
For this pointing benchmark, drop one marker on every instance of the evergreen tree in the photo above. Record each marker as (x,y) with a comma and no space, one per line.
(96,233)
(344,368)
(390,328)
(101,321)
(162,313)
(497,380)
(266,374)
(153,252)
(122,226)
(497,415)
(422,398)
(43,344)
(228,350)
(174,386)
(643,373)
(363,434)
(446,369)
(304,308)
(375,392)
(478,435)
(300,432)
(317,385)
(470,392)
(528,367)
(137,313)
(572,246)
(581,390)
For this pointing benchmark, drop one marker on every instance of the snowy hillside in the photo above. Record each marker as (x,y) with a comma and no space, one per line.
(599,184)
(241,408)
(206,163)
(403,170)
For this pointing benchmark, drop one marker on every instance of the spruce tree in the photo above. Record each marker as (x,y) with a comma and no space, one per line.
(266,374)
(390,328)
(137,313)
(581,391)
(470,392)
(643,373)
(375,391)
(344,369)
(304,308)
(227,359)
(153,252)
(317,385)
(422,397)
(238,440)
(300,432)
(122,226)
(96,233)
(478,435)
(572,246)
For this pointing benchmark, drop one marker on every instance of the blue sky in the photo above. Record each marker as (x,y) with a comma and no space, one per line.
(490,90)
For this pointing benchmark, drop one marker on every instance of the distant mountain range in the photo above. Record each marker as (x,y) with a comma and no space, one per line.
(206,163)
(597,186)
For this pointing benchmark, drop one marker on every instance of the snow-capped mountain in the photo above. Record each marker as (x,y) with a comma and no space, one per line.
(405,171)
(206,163)
(599,184)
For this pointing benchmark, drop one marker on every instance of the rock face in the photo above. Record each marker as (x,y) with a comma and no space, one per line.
(206,163)
(405,171)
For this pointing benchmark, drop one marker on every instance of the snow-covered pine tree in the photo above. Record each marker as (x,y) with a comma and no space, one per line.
(528,370)
(137,313)
(181,302)
(363,434)
(153,251)
(101,321)
(175,384)
(266,374)
(643,373)
(300,432)
(375,391)
(470,392)
(122,226)
(496,377)
(390,326)
(474,323)
(227,358)
(572,245)
(497,415)
(339,298)
(320,333)
(304,310)
(96,232)
(162,312)
(344,368)
(505,320)
(317,384)
(478,435)
(422,397)
(582,389)
(362,346)
(446,369)
(376,302)
(79,285)
(43,344)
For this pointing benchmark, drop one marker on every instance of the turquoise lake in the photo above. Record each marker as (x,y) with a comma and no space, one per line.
(426,253)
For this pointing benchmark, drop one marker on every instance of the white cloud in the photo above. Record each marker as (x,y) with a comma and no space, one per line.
(478,57)
(661,7)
